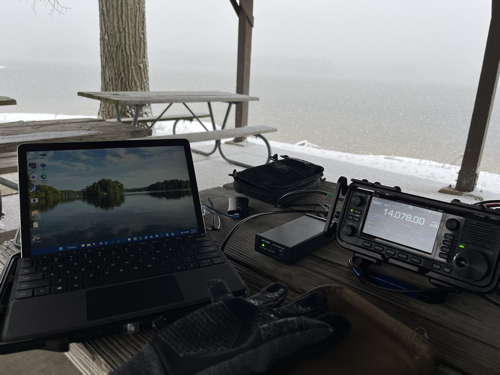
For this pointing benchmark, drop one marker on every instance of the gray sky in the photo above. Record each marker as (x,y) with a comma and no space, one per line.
(378,32)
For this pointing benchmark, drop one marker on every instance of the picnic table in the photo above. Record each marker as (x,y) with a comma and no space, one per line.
(5,100)
(12,134)
(464,328)
(138,99)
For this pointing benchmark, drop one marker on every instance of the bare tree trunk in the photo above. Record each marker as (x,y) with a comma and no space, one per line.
(124,51)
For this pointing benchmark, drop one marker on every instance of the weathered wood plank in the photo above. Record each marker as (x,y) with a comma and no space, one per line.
(186,116)
(140,97)
(219,134)
(58,131)
(464,328)
(16,124)
(5,100)
(8,164)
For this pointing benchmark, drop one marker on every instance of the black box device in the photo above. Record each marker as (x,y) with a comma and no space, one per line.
(291,241)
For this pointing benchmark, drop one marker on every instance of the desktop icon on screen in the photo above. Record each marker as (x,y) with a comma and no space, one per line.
(33,189)
(32,165)
(32,177)
(42,165)
(34,200)
(43,176)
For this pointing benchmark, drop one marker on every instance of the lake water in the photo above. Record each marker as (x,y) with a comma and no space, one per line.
(419,119)
(103,218)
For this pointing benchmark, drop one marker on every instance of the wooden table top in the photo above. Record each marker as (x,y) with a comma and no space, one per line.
(5,100)
(464,329)
(152,97)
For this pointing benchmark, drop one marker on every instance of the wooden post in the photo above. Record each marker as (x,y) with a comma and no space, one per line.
(245,25)
(469,172)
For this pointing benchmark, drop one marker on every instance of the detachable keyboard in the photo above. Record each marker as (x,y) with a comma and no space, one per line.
(63,272)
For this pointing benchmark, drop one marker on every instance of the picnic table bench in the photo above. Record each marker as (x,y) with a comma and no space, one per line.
(138,99)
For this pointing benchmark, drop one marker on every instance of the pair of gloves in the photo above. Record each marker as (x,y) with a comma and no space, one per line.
(235,335)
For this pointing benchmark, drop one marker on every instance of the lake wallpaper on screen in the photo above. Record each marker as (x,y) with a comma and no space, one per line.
(81,196)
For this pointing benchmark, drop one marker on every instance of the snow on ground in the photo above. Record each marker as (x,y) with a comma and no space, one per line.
(11,117)
(414,176)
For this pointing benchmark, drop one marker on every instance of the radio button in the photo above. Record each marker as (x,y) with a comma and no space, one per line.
(415,260)
(443,256)
(447,243)
(378,248)
(452,224)
(445,249)
(357,200)
(449,236)
(402,256)
(348,230)
(390,252)
(367,244)
(436,266)
(447,269)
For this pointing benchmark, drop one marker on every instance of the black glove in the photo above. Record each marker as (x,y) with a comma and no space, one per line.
(235,335)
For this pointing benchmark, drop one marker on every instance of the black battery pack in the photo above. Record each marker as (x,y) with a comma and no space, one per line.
(291,241)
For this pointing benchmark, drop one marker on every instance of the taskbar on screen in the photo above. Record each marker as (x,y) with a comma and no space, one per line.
(116,241)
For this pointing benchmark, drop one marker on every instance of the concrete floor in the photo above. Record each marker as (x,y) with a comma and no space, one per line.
(36,362)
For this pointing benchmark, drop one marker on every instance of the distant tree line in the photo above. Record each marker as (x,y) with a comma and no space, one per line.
(170,185)
(104,187)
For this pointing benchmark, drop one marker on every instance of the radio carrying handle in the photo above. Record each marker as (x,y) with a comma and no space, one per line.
(331,224)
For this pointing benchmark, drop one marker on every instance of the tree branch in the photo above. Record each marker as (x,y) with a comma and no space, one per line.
(54,5)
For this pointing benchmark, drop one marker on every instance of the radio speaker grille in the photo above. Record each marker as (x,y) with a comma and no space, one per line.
(482,235)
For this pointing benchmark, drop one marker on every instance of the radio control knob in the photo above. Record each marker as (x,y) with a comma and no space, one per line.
(357,201)
(348,230)
(452,224)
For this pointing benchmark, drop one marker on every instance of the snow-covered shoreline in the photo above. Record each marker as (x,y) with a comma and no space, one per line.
(424,175)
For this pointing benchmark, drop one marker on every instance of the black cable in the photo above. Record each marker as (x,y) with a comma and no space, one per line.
(489,299)
(430,290)
(486,202)
(254,216)
(330,195)
(364,280)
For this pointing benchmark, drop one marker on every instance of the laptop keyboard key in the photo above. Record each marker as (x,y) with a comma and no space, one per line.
(61,280)
(76,285)
(207,249)
(24,294)
(42,291)
(32,277)
(26,263)
(27,271)
(191,265)
(218,260)
(205,262)
(59,288)
(179,268)
(212,254)
(33,284)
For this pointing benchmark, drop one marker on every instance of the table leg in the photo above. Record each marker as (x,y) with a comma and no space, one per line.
(118,115)
(136,114)
(248,165)
(213,125)
(159,117)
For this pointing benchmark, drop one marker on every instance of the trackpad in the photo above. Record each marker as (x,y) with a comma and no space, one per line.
(130,297)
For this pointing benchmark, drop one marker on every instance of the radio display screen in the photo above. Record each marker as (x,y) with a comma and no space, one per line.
(402,223)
